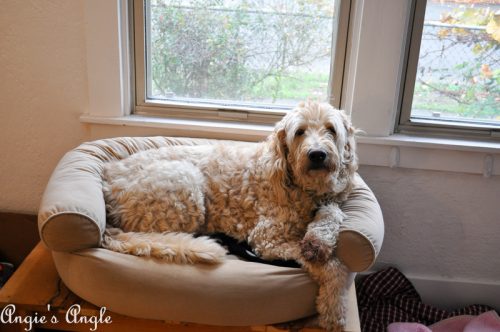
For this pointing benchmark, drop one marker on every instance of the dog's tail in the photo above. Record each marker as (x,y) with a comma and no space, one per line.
(179,248)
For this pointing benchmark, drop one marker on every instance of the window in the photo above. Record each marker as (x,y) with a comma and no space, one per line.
(453,78)
(244,60)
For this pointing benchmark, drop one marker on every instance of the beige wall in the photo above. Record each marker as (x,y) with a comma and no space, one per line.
(43,90)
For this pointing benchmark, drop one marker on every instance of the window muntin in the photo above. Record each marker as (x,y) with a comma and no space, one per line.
(200,55)
(456,82)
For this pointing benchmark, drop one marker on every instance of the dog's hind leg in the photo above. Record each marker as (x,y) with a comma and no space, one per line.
(163,196)
(171,247)
(155,204)
(268,242)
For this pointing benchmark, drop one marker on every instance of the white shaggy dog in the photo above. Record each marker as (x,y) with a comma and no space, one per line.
(281,196)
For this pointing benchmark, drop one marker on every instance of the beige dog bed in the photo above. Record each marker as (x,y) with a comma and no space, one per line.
(72,219)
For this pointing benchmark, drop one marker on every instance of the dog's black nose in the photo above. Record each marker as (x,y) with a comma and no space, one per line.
(317,156)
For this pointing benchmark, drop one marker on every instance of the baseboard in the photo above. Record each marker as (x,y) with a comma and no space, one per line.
(453,294)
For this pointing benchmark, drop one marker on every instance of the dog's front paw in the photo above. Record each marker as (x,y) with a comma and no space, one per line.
(314,250)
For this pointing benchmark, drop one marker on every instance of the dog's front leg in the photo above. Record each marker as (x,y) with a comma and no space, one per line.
(321,236)
(330,302)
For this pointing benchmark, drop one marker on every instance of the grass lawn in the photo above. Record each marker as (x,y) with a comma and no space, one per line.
(458,101)
(298,86)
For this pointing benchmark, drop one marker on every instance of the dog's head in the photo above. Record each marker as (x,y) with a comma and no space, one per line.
(315,149)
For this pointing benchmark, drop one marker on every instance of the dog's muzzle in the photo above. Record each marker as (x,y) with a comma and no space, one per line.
(317,159)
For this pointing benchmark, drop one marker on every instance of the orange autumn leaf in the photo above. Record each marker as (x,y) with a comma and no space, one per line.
(486,71)
(446,18)
(443,33)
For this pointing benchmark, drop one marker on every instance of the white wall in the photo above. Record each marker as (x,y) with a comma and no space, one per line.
(442,231)
(43,90)
(440,226)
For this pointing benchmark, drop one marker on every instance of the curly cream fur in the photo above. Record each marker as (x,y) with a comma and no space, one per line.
(267,194)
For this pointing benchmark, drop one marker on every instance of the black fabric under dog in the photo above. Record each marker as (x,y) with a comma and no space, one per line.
(244,251)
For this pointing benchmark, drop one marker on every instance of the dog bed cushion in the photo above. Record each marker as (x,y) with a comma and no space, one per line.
(72,219)
(235,293)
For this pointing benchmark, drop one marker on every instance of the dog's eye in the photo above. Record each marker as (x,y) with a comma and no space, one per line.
(332,131)
(299,132)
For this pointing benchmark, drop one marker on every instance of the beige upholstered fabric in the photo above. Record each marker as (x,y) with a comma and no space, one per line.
(234,293)
(361,235)
(72,219)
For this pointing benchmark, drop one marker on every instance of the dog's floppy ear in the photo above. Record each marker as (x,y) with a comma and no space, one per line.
(349,156)
(279,151)
(349,164)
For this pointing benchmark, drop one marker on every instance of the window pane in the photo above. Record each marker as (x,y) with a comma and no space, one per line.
(243,52)
(458,75)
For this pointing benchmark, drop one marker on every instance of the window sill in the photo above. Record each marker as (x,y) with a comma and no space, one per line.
(431,153)
(406,151)
(455,144)
(184,126)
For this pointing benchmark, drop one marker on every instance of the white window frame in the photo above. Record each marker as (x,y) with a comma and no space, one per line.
(218,111)
(108,58)
(371,90)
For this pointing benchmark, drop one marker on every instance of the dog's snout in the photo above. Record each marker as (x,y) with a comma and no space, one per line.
(317,156)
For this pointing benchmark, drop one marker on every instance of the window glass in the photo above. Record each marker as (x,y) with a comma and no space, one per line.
(458,75)
(267,53)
